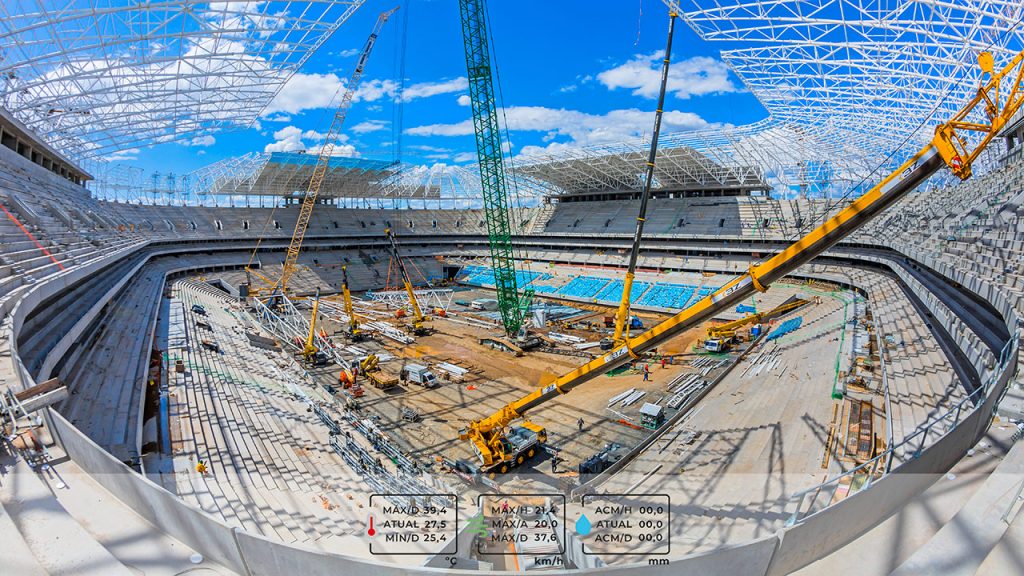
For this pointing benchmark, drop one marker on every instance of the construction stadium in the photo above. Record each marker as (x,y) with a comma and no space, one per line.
(783,347)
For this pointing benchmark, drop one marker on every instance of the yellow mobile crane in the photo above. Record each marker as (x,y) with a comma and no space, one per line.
(419,321)
(956,143)
(354,333)
(322,163)
(622,317)
(721,337)
(310,352)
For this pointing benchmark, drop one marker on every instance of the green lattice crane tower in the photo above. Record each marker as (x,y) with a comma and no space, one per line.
(492,166)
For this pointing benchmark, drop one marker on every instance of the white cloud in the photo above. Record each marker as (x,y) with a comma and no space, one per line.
(278,118)
(202,141)
(464,100)
(425,148)
(348,53)
(312,91)
(304,92)
(458,129)
(293,138)
(465,156)
(373,90)
(554,148)
(691,77)
(428,89)
(580,127)
(127,154)
(369,126)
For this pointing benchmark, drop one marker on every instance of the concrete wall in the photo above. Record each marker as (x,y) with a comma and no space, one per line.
(195,528)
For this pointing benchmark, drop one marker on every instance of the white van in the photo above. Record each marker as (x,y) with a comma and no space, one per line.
(420,375)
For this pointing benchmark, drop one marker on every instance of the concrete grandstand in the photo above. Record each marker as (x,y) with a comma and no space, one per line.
(160,416)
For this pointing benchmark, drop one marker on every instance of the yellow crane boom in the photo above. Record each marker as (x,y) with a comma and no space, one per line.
(353,324)
(323,159)
(419,321)
(727,329)
(309,349)
(956,144)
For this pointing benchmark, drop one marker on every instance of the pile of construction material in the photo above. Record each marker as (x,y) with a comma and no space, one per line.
(766,361)
(456,373)
(707,364)
(683,387)
(389,331)
(627,398)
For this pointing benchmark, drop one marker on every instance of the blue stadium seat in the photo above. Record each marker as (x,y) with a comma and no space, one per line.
(583,287)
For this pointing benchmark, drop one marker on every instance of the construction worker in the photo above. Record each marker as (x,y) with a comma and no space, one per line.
(579,424)
(662,362)
(201,467)
(647,372)
(554,465)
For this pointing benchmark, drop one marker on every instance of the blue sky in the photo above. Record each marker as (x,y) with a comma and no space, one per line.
(572,73)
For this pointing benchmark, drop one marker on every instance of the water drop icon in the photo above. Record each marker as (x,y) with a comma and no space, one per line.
(583,525)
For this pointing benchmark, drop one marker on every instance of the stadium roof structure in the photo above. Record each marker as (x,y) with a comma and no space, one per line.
(678,167)
(287,174)
(255,177)
(97,78)
(864,80)
(851,87)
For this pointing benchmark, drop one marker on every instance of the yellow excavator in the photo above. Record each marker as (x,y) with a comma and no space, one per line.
(354,333)
(721,337)
(419,321)
(956,144)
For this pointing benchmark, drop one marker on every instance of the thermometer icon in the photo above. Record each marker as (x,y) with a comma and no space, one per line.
(371,531)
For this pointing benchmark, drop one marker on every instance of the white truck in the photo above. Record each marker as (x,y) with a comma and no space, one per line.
(419,374)
(484,304)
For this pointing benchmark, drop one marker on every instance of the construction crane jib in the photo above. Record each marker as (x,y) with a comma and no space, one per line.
(627,285)
(492,167)
(324,158)
(956,144)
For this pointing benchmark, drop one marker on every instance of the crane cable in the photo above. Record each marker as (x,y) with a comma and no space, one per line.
(523,253)
(398,110)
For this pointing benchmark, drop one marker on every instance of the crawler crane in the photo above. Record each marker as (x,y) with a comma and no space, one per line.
(419,321)
(956,144)
(721,337)
(493,184)
(323,160)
